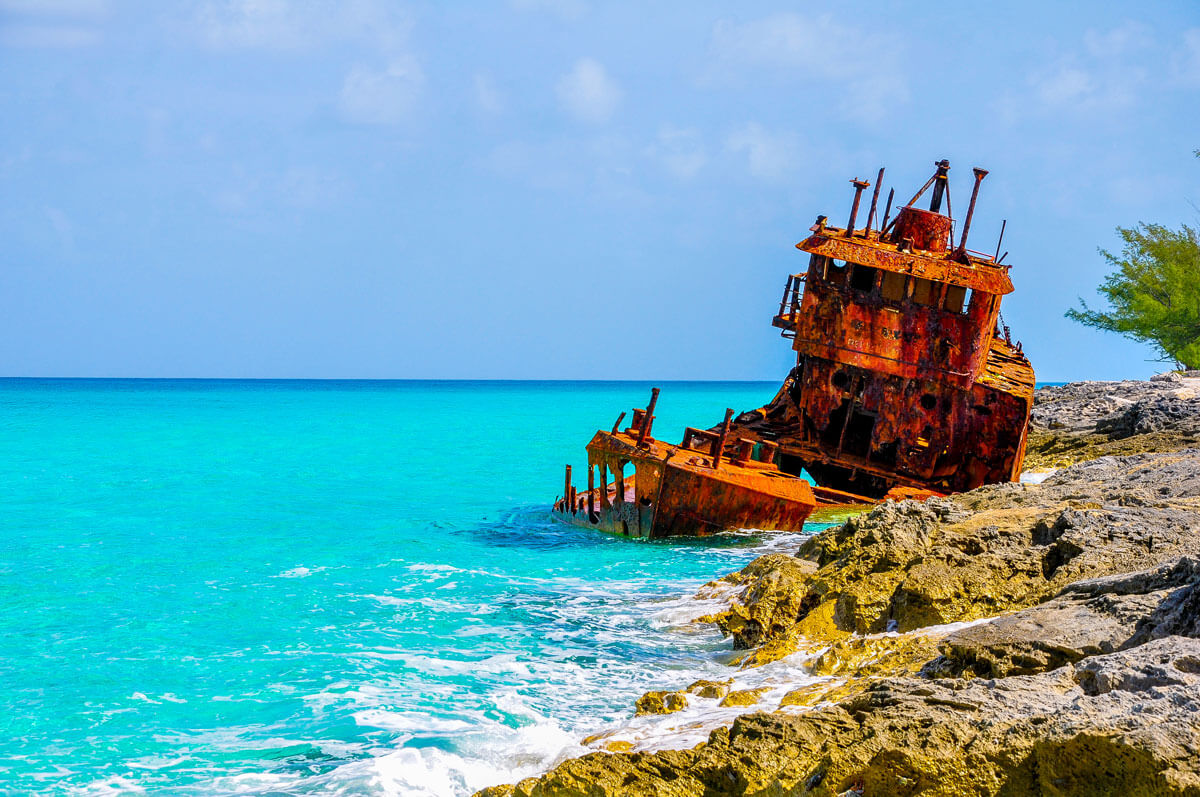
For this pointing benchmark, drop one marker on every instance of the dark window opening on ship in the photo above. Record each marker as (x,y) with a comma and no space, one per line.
(928,401)
(892,286)
(832,432)
(835,271)
(840,380)
(858,434)
(885,453)
(926,435)
(796,391)
(790,464)
(957,298)
(982,410)
(862,278)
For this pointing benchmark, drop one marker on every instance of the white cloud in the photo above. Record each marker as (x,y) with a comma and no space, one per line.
(567,9)
(864,69)
(769,156)
(51,23)
(1065,84)
(301,24)
(62,8)
(681,152)
(1068,86)
(487,96)
(1122,39)
(56,36)
(588,93)
(1187,59)
(385,96)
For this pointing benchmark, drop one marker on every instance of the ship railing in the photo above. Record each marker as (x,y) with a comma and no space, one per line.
(789,305)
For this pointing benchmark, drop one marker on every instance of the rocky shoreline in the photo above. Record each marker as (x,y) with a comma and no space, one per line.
(1019,639)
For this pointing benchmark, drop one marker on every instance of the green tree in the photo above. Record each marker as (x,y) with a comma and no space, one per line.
(1154,292)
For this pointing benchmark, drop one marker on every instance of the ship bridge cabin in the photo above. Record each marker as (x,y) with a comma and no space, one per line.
(903,375)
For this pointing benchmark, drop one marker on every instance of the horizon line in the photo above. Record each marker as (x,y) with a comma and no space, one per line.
(413,379)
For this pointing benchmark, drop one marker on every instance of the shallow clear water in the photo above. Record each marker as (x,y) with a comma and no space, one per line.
(215,587)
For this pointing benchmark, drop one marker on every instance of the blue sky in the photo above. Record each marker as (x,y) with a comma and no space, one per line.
(549,189)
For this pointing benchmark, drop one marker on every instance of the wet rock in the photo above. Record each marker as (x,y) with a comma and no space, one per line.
(1123,723)
(908,565)
(710,689)
(661,703)
(744,697)
(775,596)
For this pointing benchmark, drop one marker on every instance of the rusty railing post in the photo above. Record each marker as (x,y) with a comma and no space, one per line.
(567,488)
(720,446)
(883,224)
(617,425)
(591,491)
(786,290)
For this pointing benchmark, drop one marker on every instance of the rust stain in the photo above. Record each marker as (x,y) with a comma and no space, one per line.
(906,384)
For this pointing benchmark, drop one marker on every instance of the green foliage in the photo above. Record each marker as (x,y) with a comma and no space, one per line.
(1154,292)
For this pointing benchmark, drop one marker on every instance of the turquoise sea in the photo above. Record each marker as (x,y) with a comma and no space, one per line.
(295,587)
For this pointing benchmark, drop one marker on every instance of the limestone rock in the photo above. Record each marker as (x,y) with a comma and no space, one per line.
(1123,723)
(744,697)
(1087,618)
(661,703)
(710,689)
(1086,420)
(775,596)
(995,549)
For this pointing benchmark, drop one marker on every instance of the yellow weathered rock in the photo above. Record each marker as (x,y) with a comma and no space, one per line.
(661,703)
(744,697)
(711,689)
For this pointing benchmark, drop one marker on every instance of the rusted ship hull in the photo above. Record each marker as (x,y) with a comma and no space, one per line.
(906,384)
(642,487)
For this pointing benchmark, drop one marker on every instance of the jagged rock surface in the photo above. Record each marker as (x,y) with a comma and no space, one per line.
(1090,685)
(908,565)
(1085,420)
(1124,723)
(1087,618)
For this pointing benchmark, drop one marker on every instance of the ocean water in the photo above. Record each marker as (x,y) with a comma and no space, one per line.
(294,587)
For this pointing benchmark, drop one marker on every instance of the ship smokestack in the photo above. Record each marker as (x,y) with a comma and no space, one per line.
(939,186)
(962,242)
(859,186)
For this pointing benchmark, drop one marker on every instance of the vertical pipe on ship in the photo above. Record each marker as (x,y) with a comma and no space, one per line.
(720,447)
(962,241)
(859,186)
(874,202)
(648,418)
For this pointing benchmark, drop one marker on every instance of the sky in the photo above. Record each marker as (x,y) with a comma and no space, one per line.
(550,189)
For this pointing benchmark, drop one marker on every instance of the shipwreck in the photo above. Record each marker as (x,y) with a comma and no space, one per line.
(906,384)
